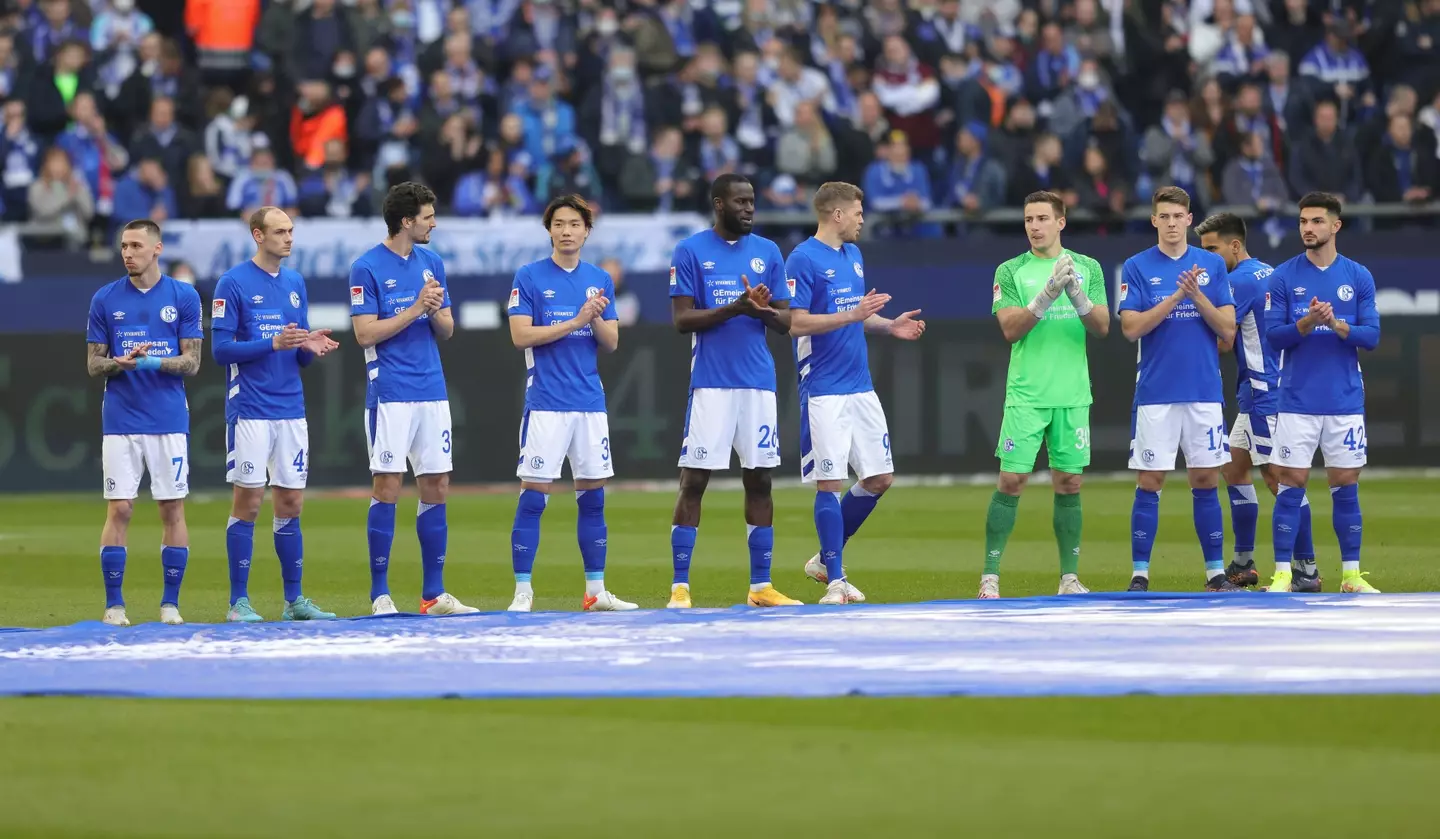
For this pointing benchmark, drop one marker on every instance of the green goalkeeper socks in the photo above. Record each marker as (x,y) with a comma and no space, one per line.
(999,522)
(1067,531)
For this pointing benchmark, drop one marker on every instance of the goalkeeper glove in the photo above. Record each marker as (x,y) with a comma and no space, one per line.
(1076,292)
(1054,287)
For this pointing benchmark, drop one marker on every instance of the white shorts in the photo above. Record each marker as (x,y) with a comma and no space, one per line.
(257,446)
(841,429)
(1244,436)
(417,431)
(1196,428)
(125,457)
(547,438)
(1341,438)
(720,419)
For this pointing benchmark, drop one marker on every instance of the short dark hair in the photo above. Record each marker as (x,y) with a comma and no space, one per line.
(721,186)
(1227,226)
(574,202)
(1043,197)
(257,219)
(1326,201)
(404,201)
(1170,195)
(145,224)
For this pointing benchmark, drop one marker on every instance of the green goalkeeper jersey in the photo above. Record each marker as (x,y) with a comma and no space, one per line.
(1048,367)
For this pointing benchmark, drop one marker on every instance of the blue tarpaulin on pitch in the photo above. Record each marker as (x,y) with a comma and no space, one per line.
(1088,645)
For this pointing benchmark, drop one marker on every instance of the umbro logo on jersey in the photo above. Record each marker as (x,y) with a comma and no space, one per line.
(1299,291)
(119,315)
(1155,281)
(389,283)
(258,299)
(549,293)
(829,272)
(708,266)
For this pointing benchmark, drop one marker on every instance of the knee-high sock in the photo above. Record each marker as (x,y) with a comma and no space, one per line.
(1244,519)
(1210,527)
(1348,524)
(593,536)
(525,535)
(112,568)
(682,550)
(830,527)
(1285,521)
(855,507)
(1144,521)
(1068,521)
(239,551)
(173,561)
(434,535)
(999,523)
(380,533)
(290,548)
(761,543)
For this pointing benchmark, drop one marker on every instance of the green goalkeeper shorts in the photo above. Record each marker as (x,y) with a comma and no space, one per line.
(1064,431)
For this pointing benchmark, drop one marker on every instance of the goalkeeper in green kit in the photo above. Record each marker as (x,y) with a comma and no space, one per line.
(1046,300)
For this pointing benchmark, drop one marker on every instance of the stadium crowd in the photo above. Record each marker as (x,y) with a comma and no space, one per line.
(118,109)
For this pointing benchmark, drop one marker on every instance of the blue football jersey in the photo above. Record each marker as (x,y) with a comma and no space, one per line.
(708,268)
(1320,372)
(121,317)
(561,375)
(251,305)
(827,281)
(1179,360)
(1258,381)
(406,368)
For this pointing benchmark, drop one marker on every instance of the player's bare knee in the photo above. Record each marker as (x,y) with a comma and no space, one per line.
(830,486)
(693,483)
(288,503)
(1268,474)
(172,512)
(878,484)
(434,489)
(593,483)
(1150,481)
(386,487)
(1235,474)
(119,511)
(757,483)
(1342,477)
(544,487)
(1012,483)
(1066,483)
(1204,478)
(1291,477)
(246,502)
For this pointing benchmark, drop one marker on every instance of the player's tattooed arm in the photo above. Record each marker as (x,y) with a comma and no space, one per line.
(99,363)
(187,363)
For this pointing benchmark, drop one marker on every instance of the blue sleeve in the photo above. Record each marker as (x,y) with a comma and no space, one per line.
(1219,290)
(684,274)
(798,269)
(303,356)
(363,297)
(1365,332)
(776,276)
(1280,331)
(224,308)
(227,350)
(522,300)
(190,313)
(1244,291)
(98,330)
(441,279)
(1134,291)
(608,289)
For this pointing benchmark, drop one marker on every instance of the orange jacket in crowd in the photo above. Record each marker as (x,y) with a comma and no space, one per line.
(310,134)
(222,25)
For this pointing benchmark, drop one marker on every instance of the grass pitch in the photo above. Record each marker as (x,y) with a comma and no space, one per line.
(1116,767)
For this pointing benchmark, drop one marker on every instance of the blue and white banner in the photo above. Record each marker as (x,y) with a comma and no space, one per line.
(470,246)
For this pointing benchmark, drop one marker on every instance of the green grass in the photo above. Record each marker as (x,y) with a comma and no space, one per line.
(1115,767)
(920,544)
